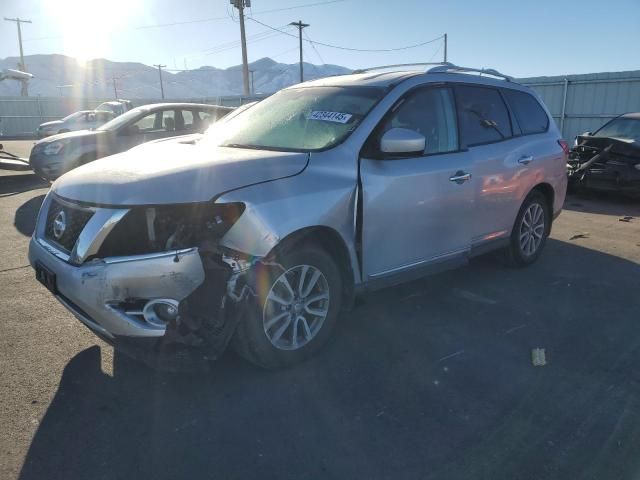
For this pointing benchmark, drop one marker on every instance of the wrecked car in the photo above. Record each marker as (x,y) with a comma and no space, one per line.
(608,159)
(260,232)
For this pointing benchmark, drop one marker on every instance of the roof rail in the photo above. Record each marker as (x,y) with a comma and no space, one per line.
(383,67)
(451,68)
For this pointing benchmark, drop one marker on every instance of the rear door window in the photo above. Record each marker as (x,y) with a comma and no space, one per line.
(530,116)
(187,120)
(482,114)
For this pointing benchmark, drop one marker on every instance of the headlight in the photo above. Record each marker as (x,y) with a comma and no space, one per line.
(53,148)
(173,227)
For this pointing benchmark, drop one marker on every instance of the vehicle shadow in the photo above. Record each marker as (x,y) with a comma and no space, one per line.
(603,203)
(432,379)
(27,214)
(20,183)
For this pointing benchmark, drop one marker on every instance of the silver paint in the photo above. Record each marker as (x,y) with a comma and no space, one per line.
(416,211)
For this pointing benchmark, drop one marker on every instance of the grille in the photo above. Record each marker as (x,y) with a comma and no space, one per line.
(75,221)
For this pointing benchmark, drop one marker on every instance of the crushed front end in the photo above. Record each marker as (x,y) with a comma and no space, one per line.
(152,281)
(605,163)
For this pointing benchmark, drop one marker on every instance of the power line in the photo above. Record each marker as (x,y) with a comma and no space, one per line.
(260,12)
(407,47)
(314,47)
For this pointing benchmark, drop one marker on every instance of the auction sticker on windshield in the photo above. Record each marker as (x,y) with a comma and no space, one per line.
(329,116)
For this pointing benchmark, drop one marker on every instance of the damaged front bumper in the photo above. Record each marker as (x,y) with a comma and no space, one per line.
(606,164)
(99,292)
(103,295)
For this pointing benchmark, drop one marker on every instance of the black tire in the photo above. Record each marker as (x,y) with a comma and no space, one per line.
(250,339)
(513,255)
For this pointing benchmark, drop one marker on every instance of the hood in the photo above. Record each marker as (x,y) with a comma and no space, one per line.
(168,173)
(189,138)
(623,149)
(53,123)
(85,134)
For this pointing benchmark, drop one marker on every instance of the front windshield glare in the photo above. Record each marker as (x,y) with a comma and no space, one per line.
(300,119)
(72,116)
(628,128)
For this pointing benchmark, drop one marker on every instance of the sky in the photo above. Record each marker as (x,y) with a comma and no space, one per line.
(518,38)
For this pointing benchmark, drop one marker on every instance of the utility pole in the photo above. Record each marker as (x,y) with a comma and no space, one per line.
(445,48)
(115,88)
(240,5)
(160,67)
(22,67)
(300,26)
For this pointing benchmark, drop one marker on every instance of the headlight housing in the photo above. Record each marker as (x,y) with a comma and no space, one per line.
(53,148)
(172,227)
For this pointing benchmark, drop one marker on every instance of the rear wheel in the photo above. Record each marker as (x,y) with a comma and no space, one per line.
(530,231)
(294,311)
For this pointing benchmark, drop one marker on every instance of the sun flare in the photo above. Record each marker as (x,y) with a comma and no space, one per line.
(89,27)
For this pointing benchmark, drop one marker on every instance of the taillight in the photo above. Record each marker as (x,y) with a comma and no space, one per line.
(564,145)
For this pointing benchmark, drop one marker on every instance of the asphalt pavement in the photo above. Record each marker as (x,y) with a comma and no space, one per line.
(430,380)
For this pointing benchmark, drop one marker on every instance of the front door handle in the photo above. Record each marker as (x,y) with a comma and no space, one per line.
(460,177)
(525,159)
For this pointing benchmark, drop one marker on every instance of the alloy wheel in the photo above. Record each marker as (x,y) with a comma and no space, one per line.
(296,307)
(532,229)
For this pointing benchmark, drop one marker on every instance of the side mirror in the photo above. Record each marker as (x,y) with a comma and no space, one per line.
(587,134)
(400,141)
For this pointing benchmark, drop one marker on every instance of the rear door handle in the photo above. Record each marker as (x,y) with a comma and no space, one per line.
(460,177)
(525,159)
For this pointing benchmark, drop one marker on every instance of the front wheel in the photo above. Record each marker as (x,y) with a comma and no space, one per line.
(530,231)
(296,306)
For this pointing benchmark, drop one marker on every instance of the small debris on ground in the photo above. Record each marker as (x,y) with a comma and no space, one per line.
(580,235)
(625,219)
(538,357)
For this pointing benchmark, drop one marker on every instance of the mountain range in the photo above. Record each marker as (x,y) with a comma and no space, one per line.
(56,75)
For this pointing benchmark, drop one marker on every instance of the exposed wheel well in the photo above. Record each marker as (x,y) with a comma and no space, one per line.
(331,242)
(547,191)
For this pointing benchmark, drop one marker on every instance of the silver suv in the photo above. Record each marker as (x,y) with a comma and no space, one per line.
(260,231)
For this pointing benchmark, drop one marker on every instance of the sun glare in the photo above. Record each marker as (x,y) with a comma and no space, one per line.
(88,27)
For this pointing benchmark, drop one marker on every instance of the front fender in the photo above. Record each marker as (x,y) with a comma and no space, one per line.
(277,209)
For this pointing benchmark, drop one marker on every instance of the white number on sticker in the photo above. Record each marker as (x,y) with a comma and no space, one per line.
(336,117)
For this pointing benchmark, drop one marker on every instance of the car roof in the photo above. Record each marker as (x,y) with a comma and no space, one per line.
(633,115)
(389,79)
(158,106)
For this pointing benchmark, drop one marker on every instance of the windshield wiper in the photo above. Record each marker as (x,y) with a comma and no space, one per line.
(242,145)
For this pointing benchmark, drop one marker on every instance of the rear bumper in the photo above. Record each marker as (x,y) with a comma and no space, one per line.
(96,292)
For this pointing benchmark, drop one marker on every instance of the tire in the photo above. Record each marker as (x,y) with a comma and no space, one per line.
(519,254)
(256,338)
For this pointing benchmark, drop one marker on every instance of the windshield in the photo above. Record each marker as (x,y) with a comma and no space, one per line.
(121,120)
(299,119)
(72,116)
(627,128)
(107,107)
